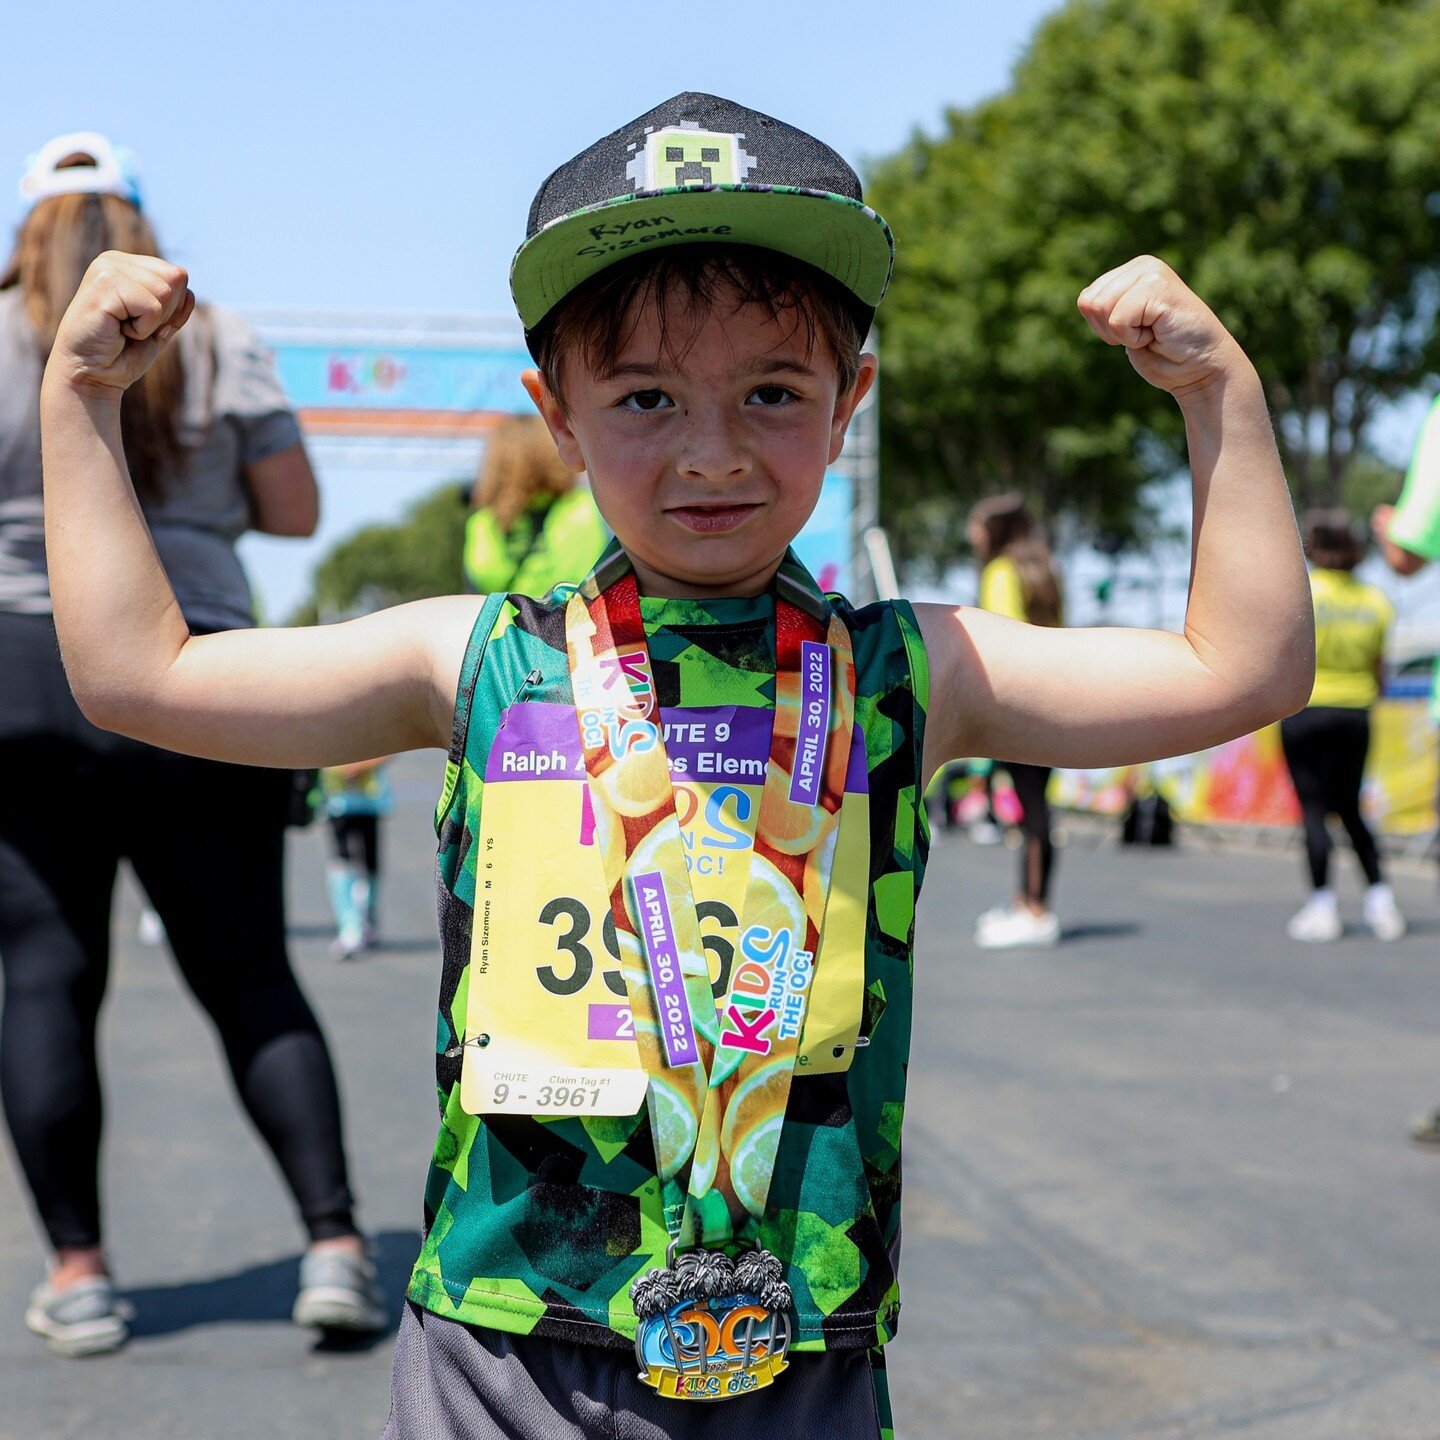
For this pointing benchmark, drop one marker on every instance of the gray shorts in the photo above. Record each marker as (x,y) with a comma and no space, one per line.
(459,1382)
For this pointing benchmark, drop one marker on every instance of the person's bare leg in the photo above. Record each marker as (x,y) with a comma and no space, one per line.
(74,1263)
(355,1244)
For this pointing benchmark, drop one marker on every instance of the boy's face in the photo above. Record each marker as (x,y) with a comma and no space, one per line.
(706,455)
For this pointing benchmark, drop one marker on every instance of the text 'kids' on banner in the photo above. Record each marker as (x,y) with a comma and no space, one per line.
(401,390)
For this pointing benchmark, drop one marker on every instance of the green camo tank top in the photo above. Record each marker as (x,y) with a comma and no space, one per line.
(538,1225)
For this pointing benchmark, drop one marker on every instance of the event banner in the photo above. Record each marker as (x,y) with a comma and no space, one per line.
(1245,782)
(419,378)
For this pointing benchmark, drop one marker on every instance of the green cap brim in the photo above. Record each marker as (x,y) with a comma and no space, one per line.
(843,238)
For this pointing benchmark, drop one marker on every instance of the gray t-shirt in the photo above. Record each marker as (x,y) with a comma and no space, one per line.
(234,413)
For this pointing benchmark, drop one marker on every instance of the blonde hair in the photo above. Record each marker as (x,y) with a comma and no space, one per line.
(1010,531)
(521,464)
(53,249)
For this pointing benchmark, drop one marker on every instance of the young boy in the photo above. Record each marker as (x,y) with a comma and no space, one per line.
(680,835)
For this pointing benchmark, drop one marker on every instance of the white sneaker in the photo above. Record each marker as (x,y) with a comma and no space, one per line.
(83,1319)
(985,832)
(1317,920)
(1381,914)
(338,1291)
(997,915)
(1009,929)
(348,944)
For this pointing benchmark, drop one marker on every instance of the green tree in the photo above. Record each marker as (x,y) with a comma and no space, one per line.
(1282,155)
(389,564)
(1369,481)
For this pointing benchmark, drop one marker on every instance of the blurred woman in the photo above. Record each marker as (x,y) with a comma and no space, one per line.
(1018,578)
(215,451)
(533,524)
(1326,743)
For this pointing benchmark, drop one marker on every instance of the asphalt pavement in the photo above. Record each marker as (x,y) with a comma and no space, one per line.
(1157,1183)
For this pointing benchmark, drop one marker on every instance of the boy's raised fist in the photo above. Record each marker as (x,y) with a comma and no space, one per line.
(126,309)
(1171,336)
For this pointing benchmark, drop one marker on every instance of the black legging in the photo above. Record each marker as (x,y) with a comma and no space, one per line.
(207,842)
(1325,748)
(356,840)
(1037,856)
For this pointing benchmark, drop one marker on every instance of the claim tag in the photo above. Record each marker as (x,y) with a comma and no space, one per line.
(491,1088)
(547,1020)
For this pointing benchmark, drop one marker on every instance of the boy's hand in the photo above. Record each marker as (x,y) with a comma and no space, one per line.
(126,310)
(1171,336)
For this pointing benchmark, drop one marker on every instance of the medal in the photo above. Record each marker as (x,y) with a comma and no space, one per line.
(712,1327)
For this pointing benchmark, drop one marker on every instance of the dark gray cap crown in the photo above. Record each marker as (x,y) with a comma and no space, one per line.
(781,155)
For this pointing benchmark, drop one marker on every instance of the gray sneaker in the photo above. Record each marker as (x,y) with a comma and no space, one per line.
(82,1319)
(338,1292)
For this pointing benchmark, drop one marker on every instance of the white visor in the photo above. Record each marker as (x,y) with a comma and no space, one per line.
(113,173)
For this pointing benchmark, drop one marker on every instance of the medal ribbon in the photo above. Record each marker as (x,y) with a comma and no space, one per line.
(719,1074)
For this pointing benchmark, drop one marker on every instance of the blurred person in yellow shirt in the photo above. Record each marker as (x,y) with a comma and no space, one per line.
(1018,579)
(533,523)
(1326,743)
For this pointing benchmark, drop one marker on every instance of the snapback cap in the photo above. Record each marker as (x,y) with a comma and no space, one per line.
(699,169)
(115,171)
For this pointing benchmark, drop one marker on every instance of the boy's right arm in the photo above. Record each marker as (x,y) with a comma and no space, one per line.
(323,695)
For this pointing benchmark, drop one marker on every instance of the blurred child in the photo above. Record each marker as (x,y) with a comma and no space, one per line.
(357,797)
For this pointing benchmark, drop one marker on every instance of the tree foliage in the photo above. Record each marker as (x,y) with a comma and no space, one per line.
(389,564)
(1282,155)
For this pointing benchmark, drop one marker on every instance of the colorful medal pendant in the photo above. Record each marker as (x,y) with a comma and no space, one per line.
(712,1328)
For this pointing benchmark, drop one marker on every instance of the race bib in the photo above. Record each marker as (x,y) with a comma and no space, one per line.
(549,1030)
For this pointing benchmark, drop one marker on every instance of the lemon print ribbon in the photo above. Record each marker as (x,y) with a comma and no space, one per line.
(719,1072)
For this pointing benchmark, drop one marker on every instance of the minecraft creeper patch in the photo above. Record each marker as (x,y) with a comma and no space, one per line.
(686,155)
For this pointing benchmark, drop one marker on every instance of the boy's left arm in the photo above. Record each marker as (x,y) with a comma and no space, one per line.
(1095,697)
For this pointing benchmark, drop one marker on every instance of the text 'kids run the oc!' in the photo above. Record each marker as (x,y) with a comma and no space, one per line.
(674,1022)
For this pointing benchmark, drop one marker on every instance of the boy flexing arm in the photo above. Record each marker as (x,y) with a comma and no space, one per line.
(386,682)
(1247,655)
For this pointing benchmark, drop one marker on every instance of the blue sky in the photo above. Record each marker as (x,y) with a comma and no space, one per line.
(385,155)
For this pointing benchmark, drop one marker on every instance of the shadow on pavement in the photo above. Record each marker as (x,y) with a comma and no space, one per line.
(1100,930)
(309,930)
(1422,926)
(400,945)
(264,1293)
(406,946)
